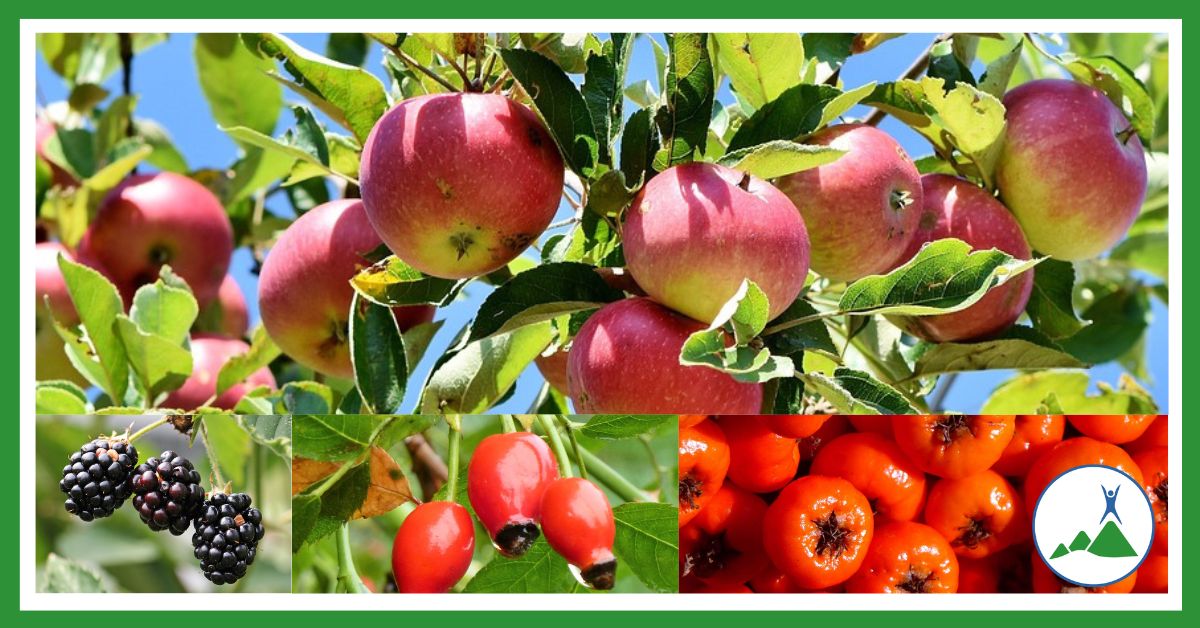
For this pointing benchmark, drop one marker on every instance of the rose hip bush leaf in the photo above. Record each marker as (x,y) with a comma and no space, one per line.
(392,282)
(537,571)
(619,426)
(561,105)
(946,276)
(378,355)
(1018,347)
(349,95)
(647,543)
(540,294)
(332,438)
(760,66)
(688,96)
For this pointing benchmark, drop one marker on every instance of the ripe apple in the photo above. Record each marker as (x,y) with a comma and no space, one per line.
(553,368)
(861,210)
(154,219)
(459,184)
(1071,169)
(625,358)
(59,176)
(210,352)
(696,231)
(304,289)
(51,356)
(956,208)
(228,314)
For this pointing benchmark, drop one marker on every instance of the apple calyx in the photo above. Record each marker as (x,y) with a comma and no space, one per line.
(901,199)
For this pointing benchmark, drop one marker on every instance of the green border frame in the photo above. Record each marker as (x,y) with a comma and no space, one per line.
(11,370)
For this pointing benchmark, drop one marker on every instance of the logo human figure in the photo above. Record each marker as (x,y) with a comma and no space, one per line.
(1110,503)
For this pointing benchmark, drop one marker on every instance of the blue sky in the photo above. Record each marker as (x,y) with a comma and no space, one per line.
(165,80)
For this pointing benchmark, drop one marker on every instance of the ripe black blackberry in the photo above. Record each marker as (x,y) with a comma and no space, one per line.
(97,479)
(167,492)
(227,532)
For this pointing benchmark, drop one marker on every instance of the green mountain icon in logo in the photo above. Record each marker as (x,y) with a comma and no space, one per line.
(1111,543)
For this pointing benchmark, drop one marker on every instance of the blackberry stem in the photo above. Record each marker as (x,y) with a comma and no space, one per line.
(218,481)
(142,432)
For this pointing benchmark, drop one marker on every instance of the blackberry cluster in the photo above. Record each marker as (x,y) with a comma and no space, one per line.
(97,480)
(227,532)
(167,492)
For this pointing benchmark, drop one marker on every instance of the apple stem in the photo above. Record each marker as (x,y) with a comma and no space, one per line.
(745,182)
(416,65)
(1124,135)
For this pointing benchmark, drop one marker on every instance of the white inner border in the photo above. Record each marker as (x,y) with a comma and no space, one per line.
(32,600)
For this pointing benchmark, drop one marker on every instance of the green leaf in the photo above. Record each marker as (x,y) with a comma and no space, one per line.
(113,125)
(99,305)
(159,364)
(946,65)
(479,375)
(305,510)
(945,276)
(707,348)
(333,437)
(760,66)
(639,143)
(416,342)
(856,392)
(285,148)
(165,308)
(1017,348)
(230,446)
(830,50)
(777,158)
(648,543)
(378,356)
(687,99)
(1029,392)
(542,294)
(746,312)
(392,282)
(306,398)
(539,570)
(165,155)
(235,83)
(271,431)
(60,397)
(1050,304)
(561,105)
(602,90)
(1146,252)
(999,72)
(339,501)
(1119,319)
(236,369)
(1119,83)
(350,95)
(62,575)
(786,395)
(347,48)
(798,111)
(618,426)
(811,336)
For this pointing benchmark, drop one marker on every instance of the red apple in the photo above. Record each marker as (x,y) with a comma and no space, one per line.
(210,352)
(696,231)
(154,219)
(304,289)
(1071,170)
(553,368)
(459,184)
(861,210)
(228,314)
(957,208)
(51,360)
(59,176)
(625,358)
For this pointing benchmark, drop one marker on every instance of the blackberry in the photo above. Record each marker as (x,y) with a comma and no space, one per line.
(227,532)
(97,479)
(167,492)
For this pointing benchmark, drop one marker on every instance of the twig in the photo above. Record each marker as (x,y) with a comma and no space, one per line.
(427,464)
(936,405)
(416,65)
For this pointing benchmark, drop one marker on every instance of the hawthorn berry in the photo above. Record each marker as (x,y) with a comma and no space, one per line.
(505,480)
(167,492)
(96,480)
(227,530)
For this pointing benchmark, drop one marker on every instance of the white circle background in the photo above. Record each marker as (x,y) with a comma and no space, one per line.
(1073,502)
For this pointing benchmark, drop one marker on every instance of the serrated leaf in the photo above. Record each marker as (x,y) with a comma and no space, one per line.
(98,304)
(235,84)
(229,445)
(165,308)
(945,276)
(811,336)
(306,398)
(539,570)
(1119,320)
(746,312)
(647,543)
(1017,348)
(393,282)
(479,375)
(561,105)
(687,98)
(236,369)
(305,511)
(60,397)
(1051,306)
(618,426)
(1028,392)
(271,431)
(378,356)
(1120,84)
(542,294)
(999,72)
(639,143)
(333,437)
(798,111)
(777,158)
(760,66)
(856,392)
(602,86)
(62,575)
(158,364)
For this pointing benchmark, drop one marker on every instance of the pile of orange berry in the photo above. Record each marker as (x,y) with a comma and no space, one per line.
(896,504)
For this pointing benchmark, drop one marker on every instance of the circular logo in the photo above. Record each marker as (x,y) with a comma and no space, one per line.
(1093,525)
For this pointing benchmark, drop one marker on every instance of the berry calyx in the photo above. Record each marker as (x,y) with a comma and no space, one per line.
(227,530)
(97,478)
(578,523)
(433,548)
(505,481)
(167,492)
